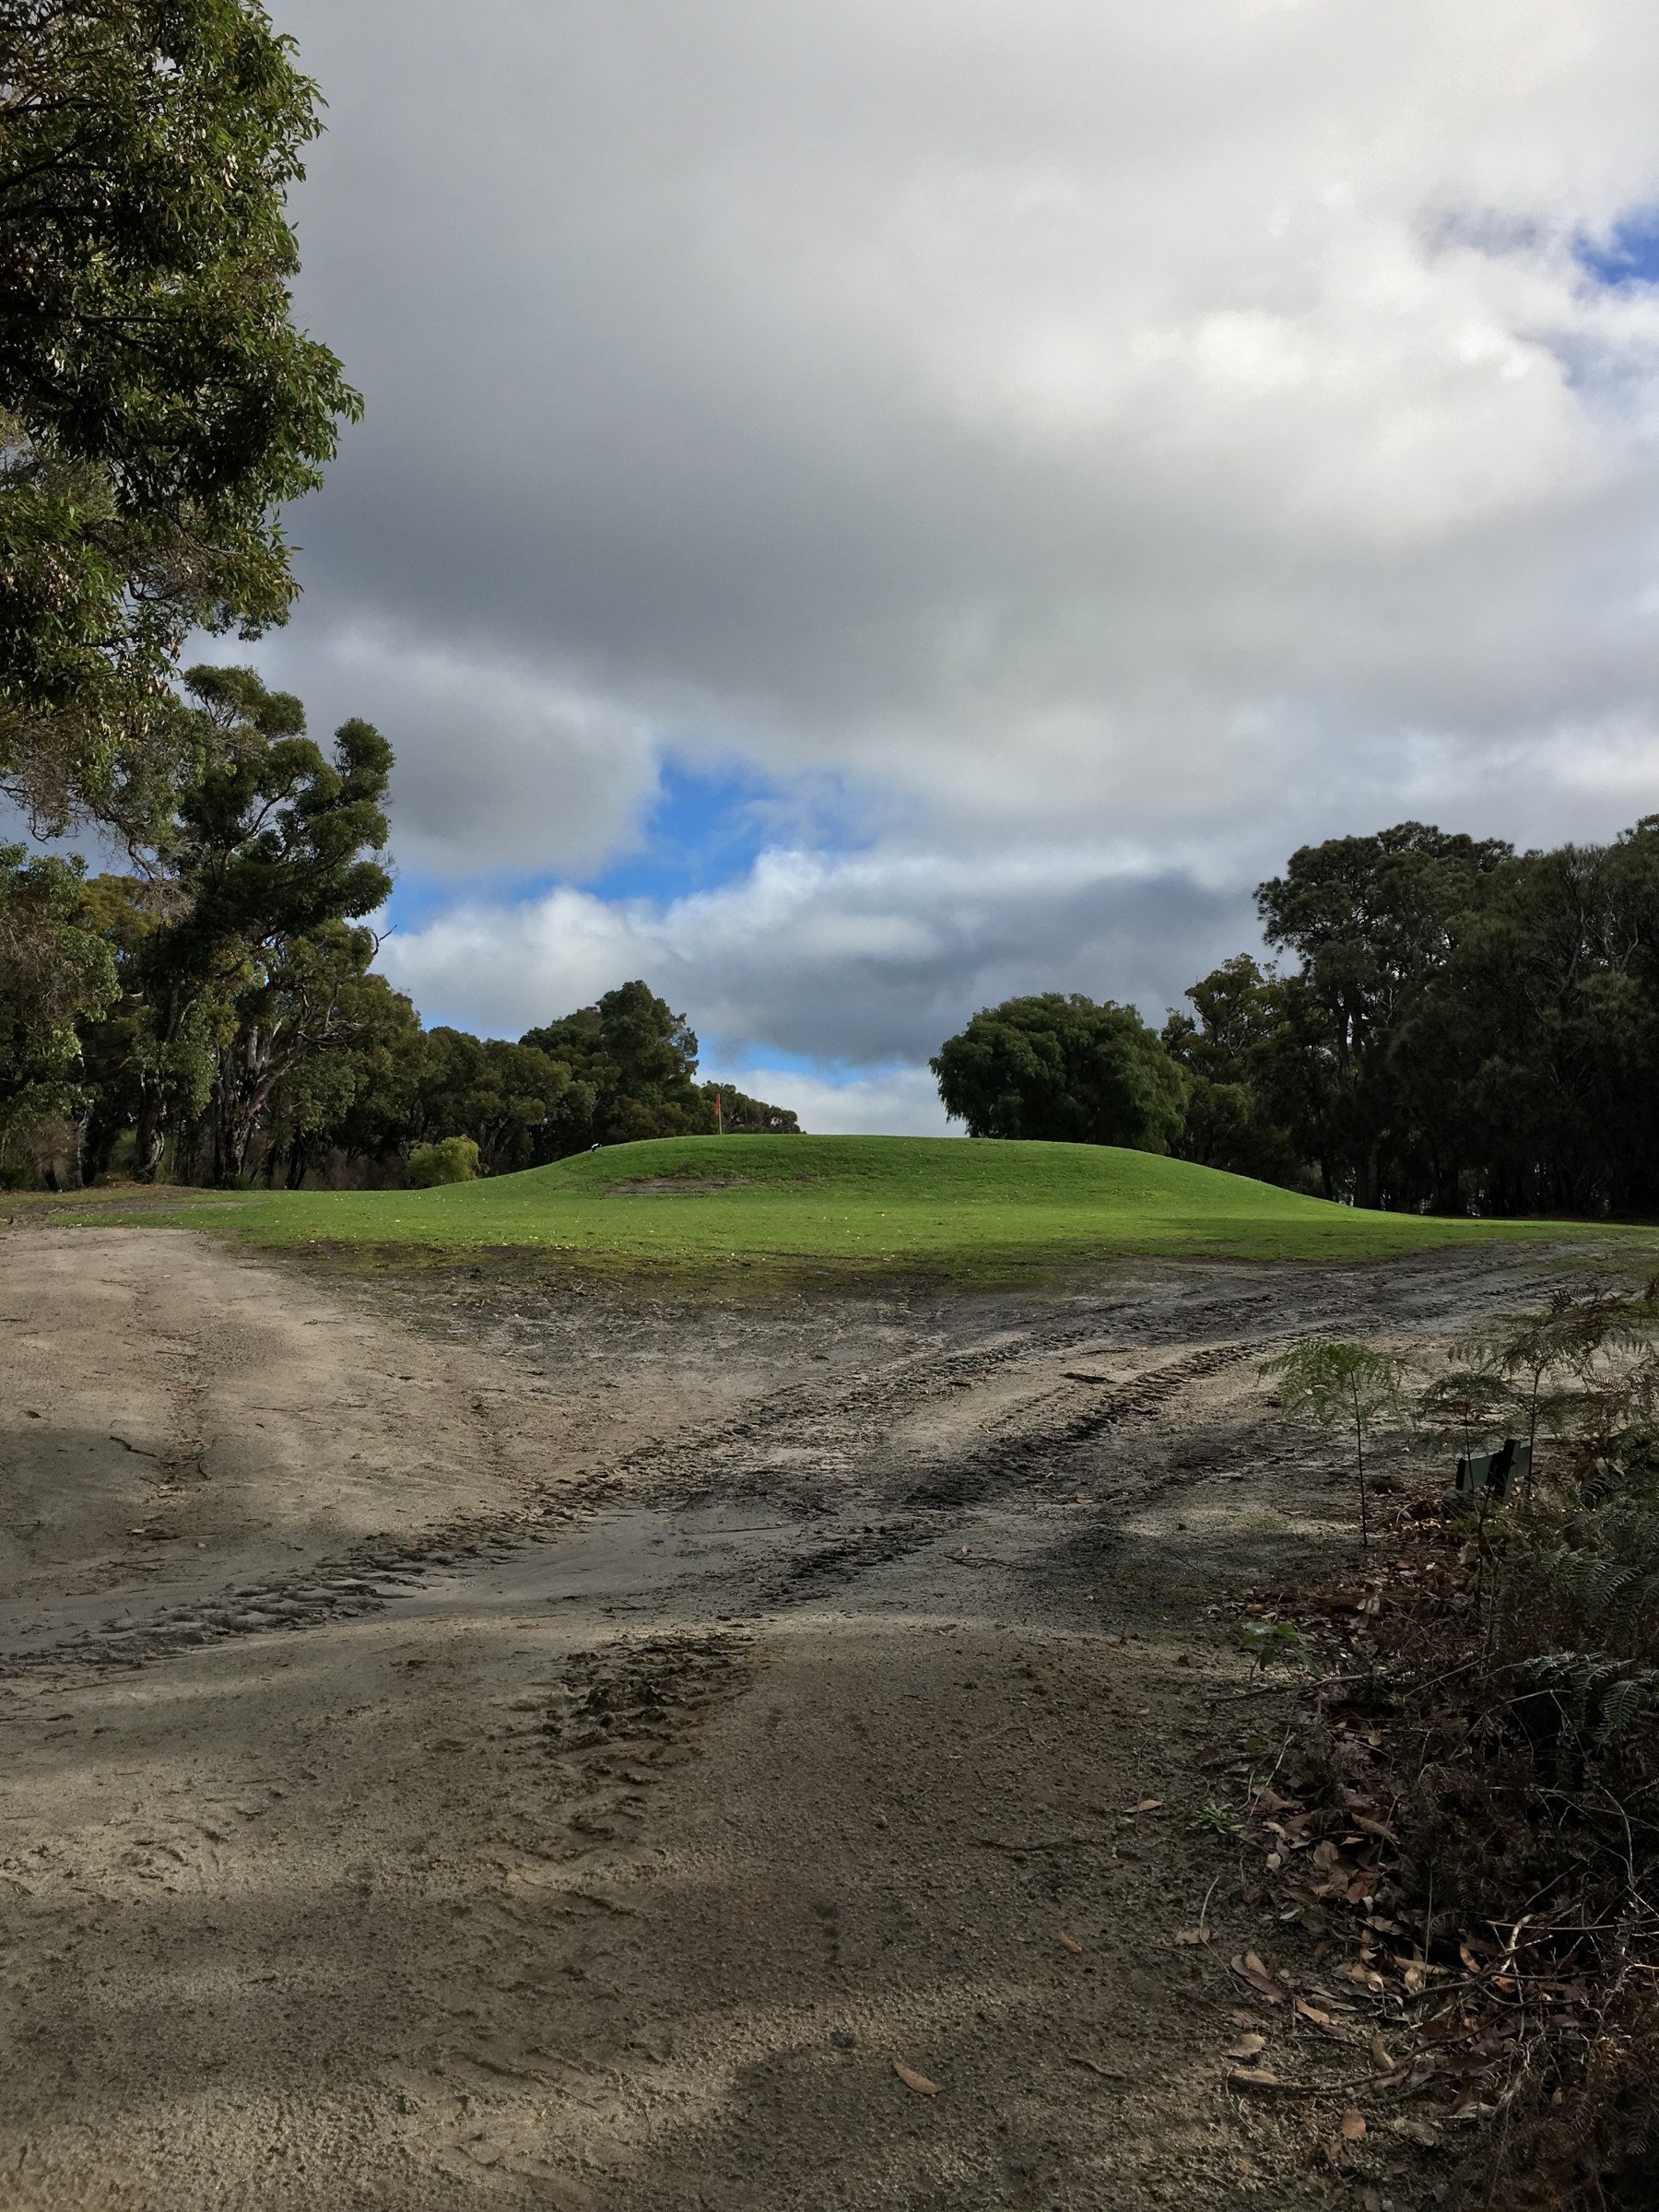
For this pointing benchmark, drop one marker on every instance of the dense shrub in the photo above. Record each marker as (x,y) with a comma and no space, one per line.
(1059,1067)
(451,1159)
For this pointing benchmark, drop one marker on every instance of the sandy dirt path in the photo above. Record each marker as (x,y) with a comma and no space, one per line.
(487,1745)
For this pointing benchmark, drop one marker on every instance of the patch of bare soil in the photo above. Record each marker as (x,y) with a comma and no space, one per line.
(483,1739)
(678,1186)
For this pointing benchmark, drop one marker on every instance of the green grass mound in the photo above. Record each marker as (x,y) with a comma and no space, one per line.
(950,1204)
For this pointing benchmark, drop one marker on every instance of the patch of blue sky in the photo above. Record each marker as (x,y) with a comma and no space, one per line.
(703,829)
(1627,254)
(738,1059)
(417,898)
(890,1098)
(706,826)
(835,1072)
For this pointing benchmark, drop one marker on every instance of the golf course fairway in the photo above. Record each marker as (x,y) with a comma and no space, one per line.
(955,1205)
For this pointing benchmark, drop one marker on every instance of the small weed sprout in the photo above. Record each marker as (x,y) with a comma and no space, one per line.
(1338,1385)
(1214,1818)
(1265,1640)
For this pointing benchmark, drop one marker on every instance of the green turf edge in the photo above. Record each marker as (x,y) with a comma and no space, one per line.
(807,1208)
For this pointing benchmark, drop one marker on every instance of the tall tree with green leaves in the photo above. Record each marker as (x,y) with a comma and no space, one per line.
(57,970)
(272,848)
(516,1102)
(638,1059)
(1062,1069)
(359,1093)
(158,405)
(1555,989)
(1244,1074)
(1371,922)
(288,1026)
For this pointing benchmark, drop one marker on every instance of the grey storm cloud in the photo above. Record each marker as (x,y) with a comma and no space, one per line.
(1168,432)
(860,959)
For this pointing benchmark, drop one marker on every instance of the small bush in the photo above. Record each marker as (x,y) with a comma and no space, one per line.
(453,1160)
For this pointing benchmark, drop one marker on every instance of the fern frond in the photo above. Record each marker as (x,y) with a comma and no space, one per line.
(1597,1694)
(1630,1604)
(1585,1580)
(1634,1699)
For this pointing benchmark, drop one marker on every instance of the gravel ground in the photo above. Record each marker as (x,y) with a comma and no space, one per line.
(480,1738)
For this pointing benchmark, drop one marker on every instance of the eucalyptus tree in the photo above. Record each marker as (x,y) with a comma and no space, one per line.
(159,406)
(57,970)
(1339,1386)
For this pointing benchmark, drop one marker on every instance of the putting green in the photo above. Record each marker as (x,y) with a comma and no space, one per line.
(950,1204)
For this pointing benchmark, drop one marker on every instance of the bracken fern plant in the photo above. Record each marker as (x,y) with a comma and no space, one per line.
(1338,1385)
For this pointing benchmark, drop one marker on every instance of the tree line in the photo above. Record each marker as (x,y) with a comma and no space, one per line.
(1450,1027)
(213,1015)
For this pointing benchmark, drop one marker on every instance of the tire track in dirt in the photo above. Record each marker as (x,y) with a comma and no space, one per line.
(456,1910)
(841,1435)
(806,1447)
(811,1448)
(1034,1444)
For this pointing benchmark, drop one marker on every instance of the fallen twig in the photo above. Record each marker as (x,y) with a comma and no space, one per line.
(1250,2077)
(1043,1843)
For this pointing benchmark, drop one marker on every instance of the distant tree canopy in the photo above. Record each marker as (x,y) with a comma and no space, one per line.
(56,971)
(158,406)
(1457,1028)
(1465,1029)
(1238,1053)
(633,1061)
(740,1116)
(236,960)
(636,1061)
(216,1017)
(1061,1067)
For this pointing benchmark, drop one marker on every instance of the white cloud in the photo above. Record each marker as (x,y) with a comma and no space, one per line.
(903,1101)
(860,960)
(499,769)
(1158,432)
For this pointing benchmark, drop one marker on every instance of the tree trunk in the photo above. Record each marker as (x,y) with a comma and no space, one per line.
(240,1088)
(1448,1187)
(233,1134)
(149,1143)
(95,1136)
(79,1122)
(1367,1181)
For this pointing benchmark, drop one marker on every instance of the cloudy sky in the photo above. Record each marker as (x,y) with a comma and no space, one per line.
(867,509)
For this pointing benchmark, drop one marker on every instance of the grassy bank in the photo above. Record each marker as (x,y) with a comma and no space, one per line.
(949,1205)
